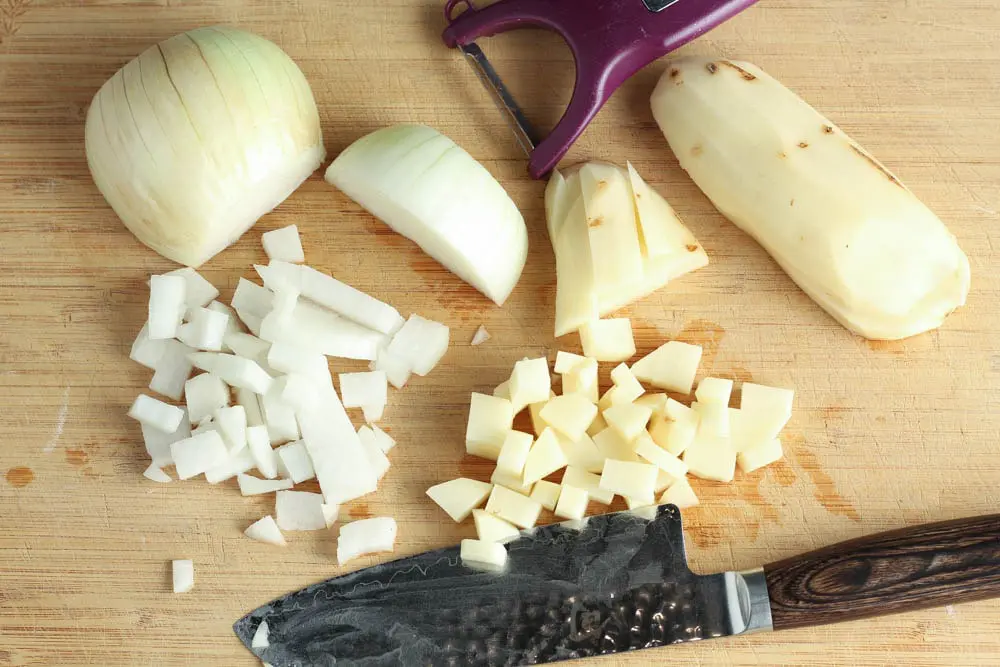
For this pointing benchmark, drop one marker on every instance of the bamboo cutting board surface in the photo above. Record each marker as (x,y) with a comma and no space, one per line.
(884,435)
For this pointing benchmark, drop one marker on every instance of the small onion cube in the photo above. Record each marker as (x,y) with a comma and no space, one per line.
(252,299)
(294,462)
(376,457)
(265,458)
(198,292)
(235,371)
(158,443)
(232,423)
(365,537)
(237,463)
(299,510)
(481,336)
(145,350)
(199,453)
(483,555)
(205,394)
(420,343)
(156,413)
(251,486)
(284,244)
(382,439)
(363,389)
(265,530)
(166,305)
(172,370)
(183,575)
(279,418)
(156,474)
(205,330)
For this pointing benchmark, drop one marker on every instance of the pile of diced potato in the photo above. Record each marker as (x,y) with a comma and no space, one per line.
(627,442)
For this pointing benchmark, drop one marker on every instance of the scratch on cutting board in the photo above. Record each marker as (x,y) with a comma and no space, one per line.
(983,209)
(950,610)
(60,423)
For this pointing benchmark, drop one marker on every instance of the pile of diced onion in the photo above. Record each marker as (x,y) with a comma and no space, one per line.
(627,442)
(265,401)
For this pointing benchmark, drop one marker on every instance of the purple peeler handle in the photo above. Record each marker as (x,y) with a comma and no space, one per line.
(610,41)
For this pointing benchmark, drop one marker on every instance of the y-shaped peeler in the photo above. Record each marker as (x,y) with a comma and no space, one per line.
(610,40)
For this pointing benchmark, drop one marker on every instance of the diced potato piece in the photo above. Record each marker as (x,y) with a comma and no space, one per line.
(655,402)
(589,482)
(613,446)
(583,453)
(284,244)
(713,419)
(759,456)
(481,336)
(665,461)
(547,493)
(481,555)
(570,414)
(608,340)
(611,225)
(266,530)
(663,480)
(711,458)
(637,503)
(538,423)
(572,502)
(597,425)
(582,380)
(629,419)
(627,388)
(513,507)
(545,457)
(673,436)
(458,497)
(629,479)
(511,482)
(503,390)
(530,382)
(567,361)
(761,398)
(490,418)
(672,366)
(183,574)
(514,453)
(678,411)
(680,494)
(714,390)
(491,528)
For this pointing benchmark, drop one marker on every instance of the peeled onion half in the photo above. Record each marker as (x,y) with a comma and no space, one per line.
(199,136)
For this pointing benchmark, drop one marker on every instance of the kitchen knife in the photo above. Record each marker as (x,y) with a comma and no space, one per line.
(610,584)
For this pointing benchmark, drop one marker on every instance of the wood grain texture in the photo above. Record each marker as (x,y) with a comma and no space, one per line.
(909,569)
(884,435)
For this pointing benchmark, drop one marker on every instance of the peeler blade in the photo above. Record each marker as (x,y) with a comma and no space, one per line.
(615,583)
(523,132)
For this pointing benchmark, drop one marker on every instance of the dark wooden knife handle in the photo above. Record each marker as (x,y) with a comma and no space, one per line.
(901,570)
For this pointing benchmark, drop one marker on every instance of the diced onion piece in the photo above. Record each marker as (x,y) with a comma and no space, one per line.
(294,461)
(672,366)
(491,528)
(481,336)
(365,390)
(714,390)
(156,474)
(365,537)
(247,346)
(284,244)
(629,419)
(232,324)
(145,350)
(265,458)
(316,329)
(278,324)
(260,639)
(490,418)
(572,502)
(608,340)
(513,482)
(569,414)
(530,382)
(158,443)
(420,343)
(205,330)
(646,448)
(383,439)
(289,358)
(583,453)
(396,369)
(234,465)
(589,482)
(251,321)
(711,458)
(511,506)
(253,299)
(156,413)
(545,457)
(235,371)
(295,390)
(673,436)
(279,418)
(232,423)
(199,453)
(198,292)
(251,486)
(166,305)
(299,510)
(183,571)
(172,370)
(481,555)
(759,456)
(613,446)
(428,189)
(458,497)
(514,453)
(629,479)
(376,457)
(330,513)
(373,413)
(627,388)
(582,379)
(546,493)
(251,403)
(680,494)
(205,394)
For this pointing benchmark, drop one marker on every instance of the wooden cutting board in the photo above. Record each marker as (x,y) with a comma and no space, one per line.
(884,435)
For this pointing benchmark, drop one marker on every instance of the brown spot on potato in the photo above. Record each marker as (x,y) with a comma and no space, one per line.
(782,154)
(20,477)
(674,73)
(875,163)
(712,68)
(595,222)
(791,202)
(601,185)
(692,248)
(827,129)
(697,150)
(747,76)
(803,144)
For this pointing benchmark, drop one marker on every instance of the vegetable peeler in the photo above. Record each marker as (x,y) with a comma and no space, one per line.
(610,39)
(611,584)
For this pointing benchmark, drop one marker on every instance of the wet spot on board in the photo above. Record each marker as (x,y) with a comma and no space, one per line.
(76,457)
(475,467)
(20,477)
(461,299)
(359,510)
(708,335)
(782,472)
(835,412)
(894,347)
(825,490)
